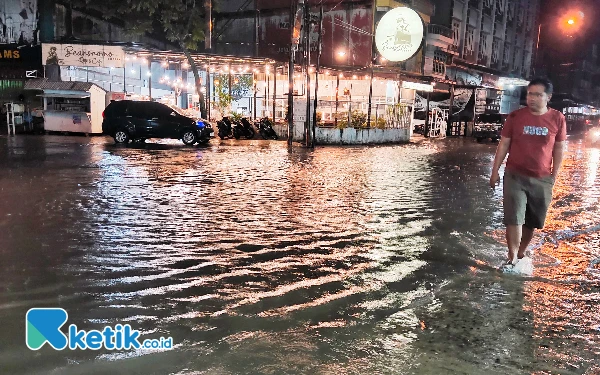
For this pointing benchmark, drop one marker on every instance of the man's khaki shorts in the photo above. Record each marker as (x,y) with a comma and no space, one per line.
(526,199)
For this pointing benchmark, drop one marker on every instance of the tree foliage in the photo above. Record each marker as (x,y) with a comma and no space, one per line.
(240,86)
(181,22)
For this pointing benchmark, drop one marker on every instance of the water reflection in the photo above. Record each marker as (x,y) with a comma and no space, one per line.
(261,259)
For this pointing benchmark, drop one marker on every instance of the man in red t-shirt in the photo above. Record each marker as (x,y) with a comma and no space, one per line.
(534,137)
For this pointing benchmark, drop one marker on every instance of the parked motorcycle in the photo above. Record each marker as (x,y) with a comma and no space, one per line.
(243,128)
(225,128)
(265,128)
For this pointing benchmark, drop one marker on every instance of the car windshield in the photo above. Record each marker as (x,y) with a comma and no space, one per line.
(176,109)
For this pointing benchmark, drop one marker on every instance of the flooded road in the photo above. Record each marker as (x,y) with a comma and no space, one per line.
(257,259)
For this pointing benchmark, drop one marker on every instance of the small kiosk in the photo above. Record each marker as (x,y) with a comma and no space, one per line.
(70,106)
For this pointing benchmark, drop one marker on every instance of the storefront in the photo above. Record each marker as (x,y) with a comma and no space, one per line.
(17,64)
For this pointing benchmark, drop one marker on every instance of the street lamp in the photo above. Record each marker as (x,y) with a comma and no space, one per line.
(569,23)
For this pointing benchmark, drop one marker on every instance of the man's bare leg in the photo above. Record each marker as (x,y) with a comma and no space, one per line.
(513,240)
(526,236)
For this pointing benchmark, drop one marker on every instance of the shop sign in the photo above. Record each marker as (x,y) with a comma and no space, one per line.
(417,86)
(506,81)
(10,54)
(83,55)
(399,34)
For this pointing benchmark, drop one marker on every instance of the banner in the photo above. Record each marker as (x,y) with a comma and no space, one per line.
(83,55)
(480,101)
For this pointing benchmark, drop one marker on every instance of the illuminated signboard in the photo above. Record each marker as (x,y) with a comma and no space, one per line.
(399,34)
(506,81)
(83,55)
(417,86)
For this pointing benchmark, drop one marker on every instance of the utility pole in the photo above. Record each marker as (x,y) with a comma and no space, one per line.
(295,22)
(320,38)
(274,91)
(256,24)
(307,133)
(208,28)
(150,80)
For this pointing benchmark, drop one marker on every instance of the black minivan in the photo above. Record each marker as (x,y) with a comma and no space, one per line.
(127,120)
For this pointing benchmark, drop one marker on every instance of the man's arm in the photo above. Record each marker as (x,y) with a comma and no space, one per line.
(557,157)
(501,152)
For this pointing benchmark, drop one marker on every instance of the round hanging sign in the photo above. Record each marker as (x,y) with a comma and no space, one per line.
(399,34)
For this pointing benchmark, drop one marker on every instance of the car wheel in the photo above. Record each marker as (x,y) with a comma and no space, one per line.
(121,136)
(189,137)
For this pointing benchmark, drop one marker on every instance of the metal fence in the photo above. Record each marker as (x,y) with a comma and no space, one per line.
(355,114)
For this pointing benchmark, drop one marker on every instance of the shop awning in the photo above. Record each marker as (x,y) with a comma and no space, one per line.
(44,84)
(70,96)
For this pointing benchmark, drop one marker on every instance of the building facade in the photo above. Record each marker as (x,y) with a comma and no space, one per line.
(469,43)
(482,41)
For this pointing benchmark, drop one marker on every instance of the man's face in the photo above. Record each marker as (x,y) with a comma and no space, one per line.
(537,98)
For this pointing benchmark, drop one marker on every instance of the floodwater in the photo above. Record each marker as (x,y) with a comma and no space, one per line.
(258,259)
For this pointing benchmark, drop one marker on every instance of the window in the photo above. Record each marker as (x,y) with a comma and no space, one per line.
(116,108)
(483,45)
(455,32)
(70,104)
(495,50)
(137,109)
(510,10)
(439,62)
(506,55)
(469,40)
(520,17)
(500,6)
(158,110)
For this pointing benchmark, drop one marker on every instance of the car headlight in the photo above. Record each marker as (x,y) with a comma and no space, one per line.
(200,124)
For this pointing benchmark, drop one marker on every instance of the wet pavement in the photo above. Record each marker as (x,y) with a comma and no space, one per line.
(258,259)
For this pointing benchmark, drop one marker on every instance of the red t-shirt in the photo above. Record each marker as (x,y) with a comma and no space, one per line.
(532,140)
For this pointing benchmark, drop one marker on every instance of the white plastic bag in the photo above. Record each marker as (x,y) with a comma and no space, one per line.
(523,266)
